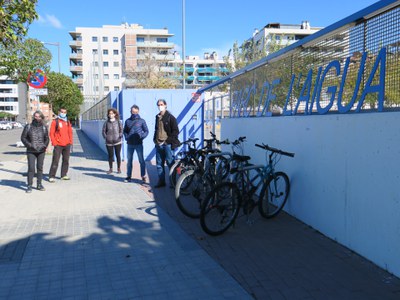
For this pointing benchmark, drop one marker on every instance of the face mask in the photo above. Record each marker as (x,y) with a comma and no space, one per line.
(62,115)
(161,108)
(134,115)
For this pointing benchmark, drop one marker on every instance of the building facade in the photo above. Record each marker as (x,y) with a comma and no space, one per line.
(107,59)
(9,96)
(274,36)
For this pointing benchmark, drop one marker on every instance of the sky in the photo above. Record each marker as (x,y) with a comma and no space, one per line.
(209,25)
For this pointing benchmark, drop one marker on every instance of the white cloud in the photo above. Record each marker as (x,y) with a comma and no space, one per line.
(50,20)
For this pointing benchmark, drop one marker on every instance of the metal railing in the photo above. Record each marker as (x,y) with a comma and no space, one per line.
(350,66)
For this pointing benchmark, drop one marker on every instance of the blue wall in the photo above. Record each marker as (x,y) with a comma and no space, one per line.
(188,113)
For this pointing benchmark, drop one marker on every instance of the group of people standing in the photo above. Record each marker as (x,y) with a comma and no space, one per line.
(35,137)
(134,131)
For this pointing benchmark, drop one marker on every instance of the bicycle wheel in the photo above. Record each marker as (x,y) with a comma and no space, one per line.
(274,194)
(190,191)
(175,172)
(222,169)
(220,208)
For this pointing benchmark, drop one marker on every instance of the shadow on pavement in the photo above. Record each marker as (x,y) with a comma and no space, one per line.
(18,184)
(89,259)
(87,169)
(87,148)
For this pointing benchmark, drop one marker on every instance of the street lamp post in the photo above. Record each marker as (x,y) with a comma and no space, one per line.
(183,44)
(58,45)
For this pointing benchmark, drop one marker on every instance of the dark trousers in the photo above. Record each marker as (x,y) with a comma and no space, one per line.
(117,150)
(39,159)
(59,151)
(164,154)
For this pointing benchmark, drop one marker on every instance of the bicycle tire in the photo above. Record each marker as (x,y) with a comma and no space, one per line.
(269,205)
(178,168)
(222,169)
(190,191)
(220,209)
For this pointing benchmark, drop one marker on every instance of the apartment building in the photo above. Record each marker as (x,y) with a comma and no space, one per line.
(100,57)
(276,35)
(103,58)
(9,96)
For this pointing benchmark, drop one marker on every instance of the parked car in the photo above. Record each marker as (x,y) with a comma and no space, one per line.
(4,125)
(16,125)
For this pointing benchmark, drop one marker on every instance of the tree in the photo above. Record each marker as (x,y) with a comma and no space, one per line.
(15,17)
(25,58)
(150,75)
(63,92)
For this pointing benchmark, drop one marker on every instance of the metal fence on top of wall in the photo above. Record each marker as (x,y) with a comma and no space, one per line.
(350,66)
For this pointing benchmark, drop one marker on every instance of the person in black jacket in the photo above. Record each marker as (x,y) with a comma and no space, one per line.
(165,140)
(112,134)
(135,131)
(35,137)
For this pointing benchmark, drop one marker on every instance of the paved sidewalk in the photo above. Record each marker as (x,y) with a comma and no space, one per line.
(95,237)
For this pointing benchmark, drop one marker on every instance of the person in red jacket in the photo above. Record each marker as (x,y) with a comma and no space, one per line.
(61,139)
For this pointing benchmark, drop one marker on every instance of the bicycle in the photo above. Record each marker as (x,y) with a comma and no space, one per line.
(195,184)
(222,205)
(187,159)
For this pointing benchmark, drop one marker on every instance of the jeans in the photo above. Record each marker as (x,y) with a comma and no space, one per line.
(163,154)
(111,150)
(39,159)
(57,152)
(139,151)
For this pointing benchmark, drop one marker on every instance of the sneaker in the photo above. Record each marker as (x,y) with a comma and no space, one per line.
(40,187)
(28,189)
(110,171)
(52,179)
(127,179)
(65,178)
(159,184)
(144,178)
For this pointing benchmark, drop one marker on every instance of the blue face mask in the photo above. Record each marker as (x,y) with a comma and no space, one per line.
(62,115)
(134,115)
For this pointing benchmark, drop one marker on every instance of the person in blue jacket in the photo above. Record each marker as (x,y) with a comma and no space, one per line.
(135,131)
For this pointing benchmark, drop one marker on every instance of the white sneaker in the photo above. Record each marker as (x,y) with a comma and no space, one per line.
(52,179)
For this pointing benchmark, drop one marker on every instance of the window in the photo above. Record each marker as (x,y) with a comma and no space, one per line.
(106,76)
(116,64)
(96,64)
(94,38)
(106,88)
(94,51)
(116,76)
(162,40)
(140,39)
(96,76)
(105,64)
(116,88)
(115,39)
(105,39)
(105,52)
(115,52)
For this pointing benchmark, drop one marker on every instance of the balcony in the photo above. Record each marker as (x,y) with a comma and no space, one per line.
(78,81)
(76,69)
(206,70)
(154,45)
(75,56)
(75,44)
(207,78)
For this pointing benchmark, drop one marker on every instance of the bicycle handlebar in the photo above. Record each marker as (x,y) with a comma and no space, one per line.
(190,141)
(225,142)
(239,140)
(266,147)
